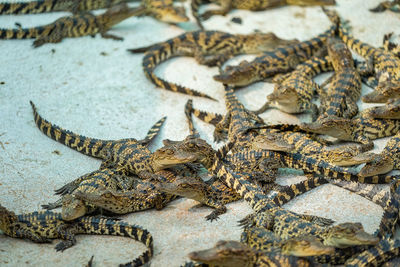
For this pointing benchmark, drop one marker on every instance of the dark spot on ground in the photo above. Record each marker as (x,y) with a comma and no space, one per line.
(236,20)
(2,82)
(103,54)
(56,152)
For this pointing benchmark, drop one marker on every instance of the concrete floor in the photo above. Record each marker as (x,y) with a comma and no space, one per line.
(92,86)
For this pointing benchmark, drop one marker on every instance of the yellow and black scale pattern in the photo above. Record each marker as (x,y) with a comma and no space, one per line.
(345,86)
(128,154)
(42,226)
(208,47)
(293,92)
(36,7)
(281,60)
(78,25)
(385,64)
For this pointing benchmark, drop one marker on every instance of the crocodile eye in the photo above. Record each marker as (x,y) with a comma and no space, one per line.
(304,243)
(191,145)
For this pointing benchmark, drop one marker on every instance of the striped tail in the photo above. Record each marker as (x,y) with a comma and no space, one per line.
(386,250)
(104,226)
(288,193)
(154,130)
(368,191)
(142,49)
(208,117)
(34,7)
(88,146)
(28,33)
(188,114)
(359,47)
(157,55)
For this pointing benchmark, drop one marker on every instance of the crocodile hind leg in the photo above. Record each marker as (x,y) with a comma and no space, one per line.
(221,129)
(55,36)
(66,233)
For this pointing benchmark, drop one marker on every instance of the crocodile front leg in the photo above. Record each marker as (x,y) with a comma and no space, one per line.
(226,6)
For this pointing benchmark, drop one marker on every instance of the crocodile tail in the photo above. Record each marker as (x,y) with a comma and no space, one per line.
(159,54)
(370,192)
(288,193)
(88,146)
(359,47)
(27,33)
(208,117)
(154,130)
(188,114)
(106,226)
(34,7)
(195,4)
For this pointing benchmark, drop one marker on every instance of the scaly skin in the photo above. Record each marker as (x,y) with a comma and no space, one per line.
(262,239)
(78,25)
(128,155)
(393,6)
(207,47)
(286,138)
(42,226)
(391,110)
(281,60)
(384,65)
(237,254)
(253,5)
(294,92)
(387,160)
(74,6)
(361,129)
(198,190)
(100,191)
(389,46)
(164,10)
(386,250)
(345,85)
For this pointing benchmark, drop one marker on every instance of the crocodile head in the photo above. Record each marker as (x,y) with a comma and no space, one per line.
(379,165)
(271,141)
(285,98)
(170,14)
(261,42)
(241,75)
(6,219)
(388,88)
(349,155)
(225,254)
(192,147)
(349,234)
(184,186)
(340,128)
(389,111)
(72,208)
(305,246)
(171,155)
(339,54)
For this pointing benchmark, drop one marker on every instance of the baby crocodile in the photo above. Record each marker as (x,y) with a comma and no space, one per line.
(42,226)
(389,46)
(129,155)
(253,5)
(345,85)
(265,240)
(78,25)
(386,161)
(207,47)
(391,110)
(384,65)
(281,60)
(293,92)
(237,254)
(360,129)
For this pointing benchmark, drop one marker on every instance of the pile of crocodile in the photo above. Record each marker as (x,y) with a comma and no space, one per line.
(131,178)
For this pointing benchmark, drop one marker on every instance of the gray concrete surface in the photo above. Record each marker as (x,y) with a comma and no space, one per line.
(107,96)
